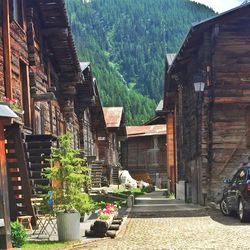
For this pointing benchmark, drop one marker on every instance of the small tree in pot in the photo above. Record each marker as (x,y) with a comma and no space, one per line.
(69,174)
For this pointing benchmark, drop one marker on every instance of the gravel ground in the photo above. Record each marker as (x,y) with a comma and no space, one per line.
(190,230)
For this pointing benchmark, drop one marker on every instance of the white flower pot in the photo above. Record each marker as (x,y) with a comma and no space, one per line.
(68,226)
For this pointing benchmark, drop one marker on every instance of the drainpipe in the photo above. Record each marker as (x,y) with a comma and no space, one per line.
(7,48)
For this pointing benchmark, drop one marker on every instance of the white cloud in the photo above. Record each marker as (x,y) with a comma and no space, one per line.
(220,5)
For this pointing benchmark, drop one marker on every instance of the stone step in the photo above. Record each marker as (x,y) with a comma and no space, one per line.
(150,201)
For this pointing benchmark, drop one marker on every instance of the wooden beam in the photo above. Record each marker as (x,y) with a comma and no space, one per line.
(228,100)
(171,151)
(26,99)
(7,49)
(5,241)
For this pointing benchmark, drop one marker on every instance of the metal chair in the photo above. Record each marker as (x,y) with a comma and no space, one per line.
(46,222)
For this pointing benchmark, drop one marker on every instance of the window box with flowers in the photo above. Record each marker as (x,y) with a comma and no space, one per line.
(13,104)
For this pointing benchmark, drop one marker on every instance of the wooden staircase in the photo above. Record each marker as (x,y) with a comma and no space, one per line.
(96,174)
(39,150)
(18,176)
(115,176)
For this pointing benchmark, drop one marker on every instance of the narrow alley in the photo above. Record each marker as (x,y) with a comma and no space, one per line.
(158,223)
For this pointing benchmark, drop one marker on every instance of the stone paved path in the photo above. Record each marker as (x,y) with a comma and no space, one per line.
(177,229)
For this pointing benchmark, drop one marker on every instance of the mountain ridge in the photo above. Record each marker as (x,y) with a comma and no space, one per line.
(126,42)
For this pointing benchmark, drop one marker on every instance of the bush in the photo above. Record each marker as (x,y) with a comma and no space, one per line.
(18,234)
(72,178)
(170,195)
(120,203)
(135,191)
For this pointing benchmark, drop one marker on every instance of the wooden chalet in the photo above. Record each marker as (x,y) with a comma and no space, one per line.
(208,132)
(40,69)
(109,146)
(92,122)
(144,154)
(92,127)
(159,117)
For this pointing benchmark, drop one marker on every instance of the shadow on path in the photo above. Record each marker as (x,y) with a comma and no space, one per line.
(217,216)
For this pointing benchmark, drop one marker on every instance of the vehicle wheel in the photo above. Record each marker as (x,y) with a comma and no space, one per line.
(224,208)
(243,213)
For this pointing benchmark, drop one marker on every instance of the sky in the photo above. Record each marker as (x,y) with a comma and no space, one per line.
(220,5)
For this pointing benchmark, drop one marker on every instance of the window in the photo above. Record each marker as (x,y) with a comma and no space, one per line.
(239,177)
(18,11)
(25,93)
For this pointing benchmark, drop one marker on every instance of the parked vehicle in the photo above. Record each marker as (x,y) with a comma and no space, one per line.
(236,195)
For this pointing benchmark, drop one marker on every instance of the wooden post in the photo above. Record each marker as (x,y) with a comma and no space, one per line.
(5,241)
(171,151)
(7,49)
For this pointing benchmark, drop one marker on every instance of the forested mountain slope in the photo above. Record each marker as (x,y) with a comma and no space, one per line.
(126,42)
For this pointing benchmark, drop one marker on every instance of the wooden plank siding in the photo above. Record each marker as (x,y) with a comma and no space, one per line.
(212,130)
(39,67)
(7,47)
(145,159)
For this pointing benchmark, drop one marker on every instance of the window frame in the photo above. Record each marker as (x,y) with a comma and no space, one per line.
(18,12)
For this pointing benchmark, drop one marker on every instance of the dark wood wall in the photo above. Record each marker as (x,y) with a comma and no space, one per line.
(35,74)
(212,128)
(145,158)
(231,62)
(48,115)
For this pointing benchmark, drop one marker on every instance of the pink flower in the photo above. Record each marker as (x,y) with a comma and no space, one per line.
(111,207)
(106,211)
(6,99)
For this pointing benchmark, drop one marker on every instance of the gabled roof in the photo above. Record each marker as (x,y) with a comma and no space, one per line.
(170,58)
(159,117)
(159,106)
(197,30)
(84,65)
(56,27)
(149,130)
(113,116)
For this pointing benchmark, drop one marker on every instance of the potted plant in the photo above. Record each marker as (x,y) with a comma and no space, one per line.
(70,176)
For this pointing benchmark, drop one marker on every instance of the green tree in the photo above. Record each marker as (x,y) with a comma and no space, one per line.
(126,41)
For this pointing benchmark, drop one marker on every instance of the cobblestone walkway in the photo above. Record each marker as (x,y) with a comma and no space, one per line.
(203,229)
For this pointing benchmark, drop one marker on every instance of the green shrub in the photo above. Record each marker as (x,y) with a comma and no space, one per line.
(120,203)
(18,234)
(170,195)
(72,178)
(100,205)
(119,190)
(123,190)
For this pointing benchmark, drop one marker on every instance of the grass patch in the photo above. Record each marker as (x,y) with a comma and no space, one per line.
(46,245)
(169,195)
(123,190)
